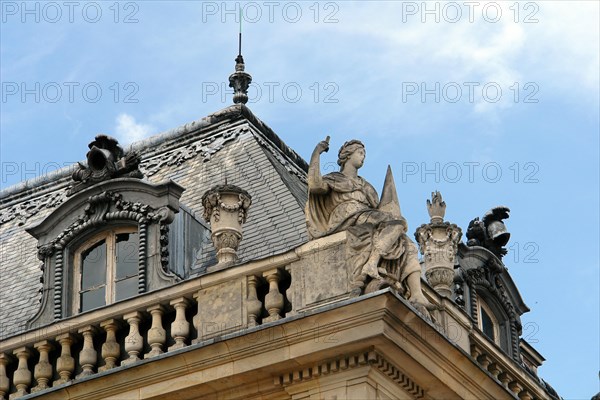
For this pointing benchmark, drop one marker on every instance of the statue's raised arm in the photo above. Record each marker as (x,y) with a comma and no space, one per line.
(315,180)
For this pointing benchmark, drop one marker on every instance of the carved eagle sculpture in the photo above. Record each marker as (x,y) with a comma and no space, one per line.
(490,232)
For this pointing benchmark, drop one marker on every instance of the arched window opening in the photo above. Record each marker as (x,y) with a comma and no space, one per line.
(106,269)
(488,323)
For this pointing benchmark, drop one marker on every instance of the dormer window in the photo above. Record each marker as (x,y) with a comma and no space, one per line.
(106,269)
(107,242)
(488,323)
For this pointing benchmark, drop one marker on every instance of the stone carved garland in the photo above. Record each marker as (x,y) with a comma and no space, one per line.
(23,211)
(204,148)
(290,167)
(225,209)
(213,204)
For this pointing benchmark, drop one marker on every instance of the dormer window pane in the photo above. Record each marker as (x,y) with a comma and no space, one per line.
(126,288)
(94,266)
(93,298)
(108,267)
(487,325)
(127,255)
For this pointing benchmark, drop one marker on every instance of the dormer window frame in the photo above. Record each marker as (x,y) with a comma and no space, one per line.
(484,308)
(111,279)
(89,212)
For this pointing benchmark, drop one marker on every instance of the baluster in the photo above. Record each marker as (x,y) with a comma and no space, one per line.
(525,395)
(494,369)
(22,376)
(180,328)
(484,360)
(196,319)
(253,305)
(504,378)
(88,355)
(515,387)
(273,299)
(65,364)
(4,382)
(134,343)
(157,336)
(111,351)
(43,369)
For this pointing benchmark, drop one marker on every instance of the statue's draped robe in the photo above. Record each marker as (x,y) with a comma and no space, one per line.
(351,204)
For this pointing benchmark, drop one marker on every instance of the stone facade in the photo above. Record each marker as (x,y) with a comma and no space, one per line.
(274,316)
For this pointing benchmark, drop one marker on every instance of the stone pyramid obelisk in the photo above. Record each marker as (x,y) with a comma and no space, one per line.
(389,198)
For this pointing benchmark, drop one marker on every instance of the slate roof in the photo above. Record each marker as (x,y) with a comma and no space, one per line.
(231,144)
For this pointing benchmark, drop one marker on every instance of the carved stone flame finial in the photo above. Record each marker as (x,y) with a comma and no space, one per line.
(225,208)
(438,241)
(436,207)
(240,81)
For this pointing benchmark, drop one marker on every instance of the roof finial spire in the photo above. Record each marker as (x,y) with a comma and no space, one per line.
(240,80)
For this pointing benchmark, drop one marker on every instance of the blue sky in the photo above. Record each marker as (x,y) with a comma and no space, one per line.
(492,105)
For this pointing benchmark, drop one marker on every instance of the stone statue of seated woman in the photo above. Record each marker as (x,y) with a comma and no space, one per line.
(378,249)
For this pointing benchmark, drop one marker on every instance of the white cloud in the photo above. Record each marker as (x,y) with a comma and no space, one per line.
(129,131)
(550,44)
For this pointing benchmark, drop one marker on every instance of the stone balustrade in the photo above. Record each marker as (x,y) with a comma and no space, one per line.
(222,301)
(504,369)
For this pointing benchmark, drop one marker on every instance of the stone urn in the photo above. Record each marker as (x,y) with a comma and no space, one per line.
(225,208)
(438,242)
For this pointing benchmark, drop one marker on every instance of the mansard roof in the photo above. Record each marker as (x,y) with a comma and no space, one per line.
(231,144)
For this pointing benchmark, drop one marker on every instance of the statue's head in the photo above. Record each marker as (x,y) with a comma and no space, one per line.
(347,150)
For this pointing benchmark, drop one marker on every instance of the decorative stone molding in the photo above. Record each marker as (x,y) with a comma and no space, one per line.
(240,80)
(345,362)
(204,148)
(105,160)
(490,232)
(225,208)
(482,273)
(118,201)
(23,211)
(278,155)
(438,242)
